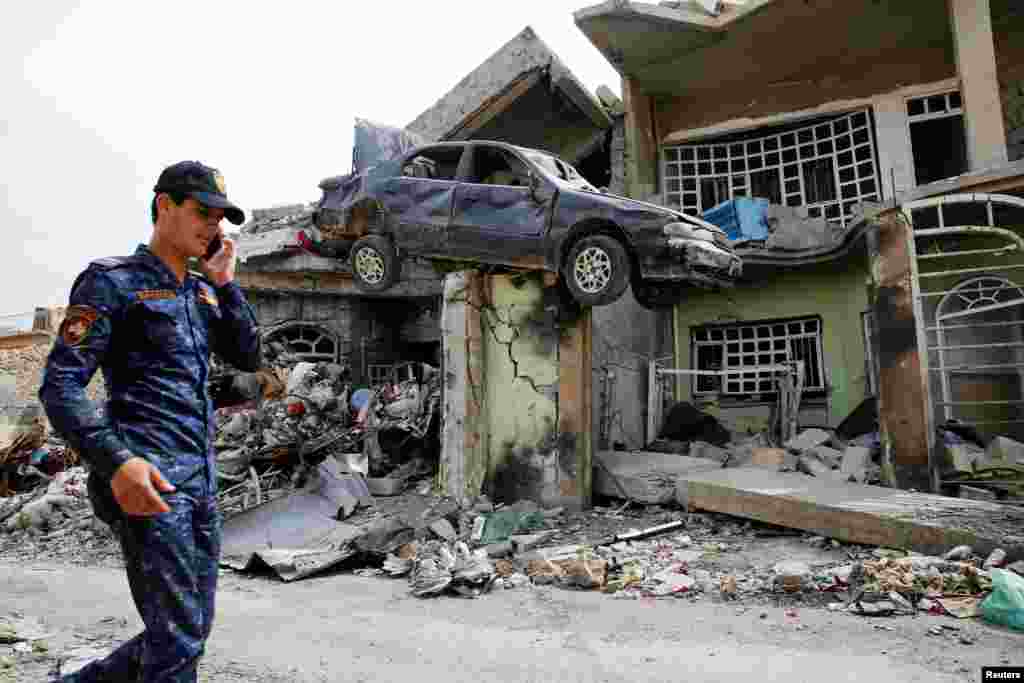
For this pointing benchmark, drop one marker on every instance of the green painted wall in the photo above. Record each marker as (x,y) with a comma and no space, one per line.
(519,414)
(835,291)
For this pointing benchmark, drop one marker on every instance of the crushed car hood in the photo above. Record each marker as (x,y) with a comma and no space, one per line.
(635,205)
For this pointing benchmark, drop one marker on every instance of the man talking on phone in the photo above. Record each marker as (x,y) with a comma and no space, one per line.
(150,324)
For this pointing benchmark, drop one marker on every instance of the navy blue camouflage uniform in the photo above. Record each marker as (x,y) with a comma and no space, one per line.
(152,337)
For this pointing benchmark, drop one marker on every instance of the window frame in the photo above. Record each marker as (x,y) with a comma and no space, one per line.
(791,148)
(722,390)
(949,112)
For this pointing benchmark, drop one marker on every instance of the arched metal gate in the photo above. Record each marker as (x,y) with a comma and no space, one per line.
(968,287)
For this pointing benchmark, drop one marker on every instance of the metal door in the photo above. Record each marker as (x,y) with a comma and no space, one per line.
(968,293)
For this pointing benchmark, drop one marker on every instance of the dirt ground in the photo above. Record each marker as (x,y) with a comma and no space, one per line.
(345,627)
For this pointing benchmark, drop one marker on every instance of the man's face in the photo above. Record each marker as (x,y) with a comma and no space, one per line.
(190,226)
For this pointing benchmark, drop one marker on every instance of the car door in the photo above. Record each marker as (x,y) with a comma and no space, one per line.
(496,218)
(418,202)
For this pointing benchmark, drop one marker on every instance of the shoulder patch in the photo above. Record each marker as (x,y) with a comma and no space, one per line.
(77,322)
(151,294)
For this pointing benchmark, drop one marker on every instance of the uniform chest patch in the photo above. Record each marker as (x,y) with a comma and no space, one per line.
(155,294)
(207,298)
(77,322)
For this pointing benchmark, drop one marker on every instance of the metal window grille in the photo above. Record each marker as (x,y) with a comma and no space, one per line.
(828,167)
(306,342)
(735,347)
(941,105)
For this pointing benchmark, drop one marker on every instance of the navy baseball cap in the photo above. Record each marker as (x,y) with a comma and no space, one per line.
(203,184)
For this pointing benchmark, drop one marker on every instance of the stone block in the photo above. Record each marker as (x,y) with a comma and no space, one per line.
(829,456)
(808,440)
(855,463)
(1004,450)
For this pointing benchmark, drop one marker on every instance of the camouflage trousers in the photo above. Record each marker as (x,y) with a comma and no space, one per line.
(172,564)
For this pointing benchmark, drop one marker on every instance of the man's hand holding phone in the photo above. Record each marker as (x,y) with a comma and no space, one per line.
(219,264)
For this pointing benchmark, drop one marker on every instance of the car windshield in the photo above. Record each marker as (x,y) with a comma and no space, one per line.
(559,170)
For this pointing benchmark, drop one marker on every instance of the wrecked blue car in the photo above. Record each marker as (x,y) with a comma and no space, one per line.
(498,204)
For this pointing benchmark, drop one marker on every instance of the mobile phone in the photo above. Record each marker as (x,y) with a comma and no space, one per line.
(214,247)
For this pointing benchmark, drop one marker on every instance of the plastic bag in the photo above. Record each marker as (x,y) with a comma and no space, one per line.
(1005,605)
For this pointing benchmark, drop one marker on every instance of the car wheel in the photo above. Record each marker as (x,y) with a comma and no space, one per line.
(374,263)
(597,270)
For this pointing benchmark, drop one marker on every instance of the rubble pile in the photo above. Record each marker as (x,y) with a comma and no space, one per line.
(298,216)
(849,453)
(26,364)
(56,522)
(306,412)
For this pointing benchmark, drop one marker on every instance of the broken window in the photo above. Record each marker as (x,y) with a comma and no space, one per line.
(937,137)
(304,342)
(828,166)
(436,163)
(751,348)
(495,166)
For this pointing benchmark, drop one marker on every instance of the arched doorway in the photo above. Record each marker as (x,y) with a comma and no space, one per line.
(981,354)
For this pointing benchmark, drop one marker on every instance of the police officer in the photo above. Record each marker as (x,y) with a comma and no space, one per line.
(150,324)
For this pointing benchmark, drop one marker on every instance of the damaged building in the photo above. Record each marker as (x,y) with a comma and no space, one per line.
(871,181)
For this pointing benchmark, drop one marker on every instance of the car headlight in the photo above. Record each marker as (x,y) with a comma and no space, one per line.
(678,230)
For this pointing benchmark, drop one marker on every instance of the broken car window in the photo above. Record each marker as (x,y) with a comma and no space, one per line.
(560,170)
(437,163)
(495,166)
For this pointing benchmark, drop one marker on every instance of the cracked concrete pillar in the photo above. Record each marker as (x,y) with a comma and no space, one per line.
(971,22)
(641,143)
(464,432)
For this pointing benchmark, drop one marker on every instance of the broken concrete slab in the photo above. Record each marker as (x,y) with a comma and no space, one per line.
(961,457)
(527,542)
(1003,450)
(975,493)
(829,456)
(856,513)
(706,451)
(647,478)
(855,463)
(808,439)
(810,464)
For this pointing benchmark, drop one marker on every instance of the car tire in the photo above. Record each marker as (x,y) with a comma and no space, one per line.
(374,263)
(597,270)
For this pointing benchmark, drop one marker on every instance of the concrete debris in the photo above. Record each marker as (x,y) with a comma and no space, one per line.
(808,440)
(1016,567)
(303,412)
(700,449)
(997,558)
(439,566)
(961,552)
(1004,451)
(855,463)
(791,576)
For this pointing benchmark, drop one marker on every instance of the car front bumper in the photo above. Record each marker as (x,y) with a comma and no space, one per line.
(697,261)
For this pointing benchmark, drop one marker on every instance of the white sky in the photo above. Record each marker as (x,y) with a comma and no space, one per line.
(100,95)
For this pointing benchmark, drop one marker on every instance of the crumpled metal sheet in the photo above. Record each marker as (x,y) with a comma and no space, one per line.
(376,158)
(375,143)
(299,534)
